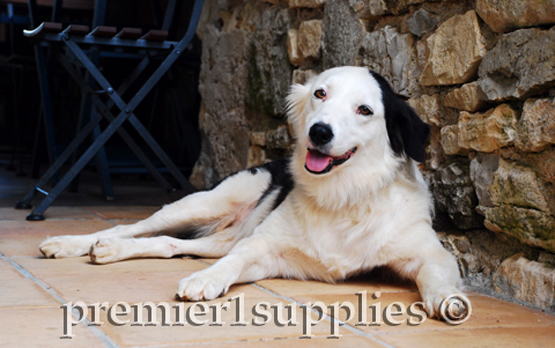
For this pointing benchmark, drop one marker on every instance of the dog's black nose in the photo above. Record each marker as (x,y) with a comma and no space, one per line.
(320,134)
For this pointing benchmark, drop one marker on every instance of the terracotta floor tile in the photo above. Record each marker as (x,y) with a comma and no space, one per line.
(294,342)
(486,312)
(25,306)
(289,287)
(41,266)
(127,212)
(128,335)
(522,337)
(52,213)
(22,238)
(489,311)
(23,292)
(7,271)
(40,327)
(130,286)
(108,287)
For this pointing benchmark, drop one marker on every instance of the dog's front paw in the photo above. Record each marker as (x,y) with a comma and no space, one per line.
(448,304)
(66,246)
(108,250)
(201,287)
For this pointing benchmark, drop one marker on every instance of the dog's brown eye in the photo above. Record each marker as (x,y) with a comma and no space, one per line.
(365,110)
(320,94)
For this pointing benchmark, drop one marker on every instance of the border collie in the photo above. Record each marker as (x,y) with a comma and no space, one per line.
(351,198)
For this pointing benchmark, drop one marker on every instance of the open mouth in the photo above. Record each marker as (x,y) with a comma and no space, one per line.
(317,162)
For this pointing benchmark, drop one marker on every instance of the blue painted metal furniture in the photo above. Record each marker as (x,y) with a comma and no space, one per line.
(76,48)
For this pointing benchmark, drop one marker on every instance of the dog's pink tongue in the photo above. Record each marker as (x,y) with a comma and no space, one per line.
(317,161)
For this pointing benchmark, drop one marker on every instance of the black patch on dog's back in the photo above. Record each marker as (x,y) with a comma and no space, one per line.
(282,180)
(407,132)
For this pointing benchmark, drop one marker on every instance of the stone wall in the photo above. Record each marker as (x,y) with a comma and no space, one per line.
(480,72)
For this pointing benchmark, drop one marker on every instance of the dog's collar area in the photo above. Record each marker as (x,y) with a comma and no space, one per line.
(317,162)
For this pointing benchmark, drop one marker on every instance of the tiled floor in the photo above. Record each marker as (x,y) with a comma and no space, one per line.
(33,289)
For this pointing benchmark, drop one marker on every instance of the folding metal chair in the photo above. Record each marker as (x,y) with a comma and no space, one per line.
(70,46)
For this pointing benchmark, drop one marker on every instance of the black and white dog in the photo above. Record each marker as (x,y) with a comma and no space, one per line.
(351,198)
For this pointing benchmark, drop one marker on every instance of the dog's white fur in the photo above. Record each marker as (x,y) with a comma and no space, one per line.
(373,210)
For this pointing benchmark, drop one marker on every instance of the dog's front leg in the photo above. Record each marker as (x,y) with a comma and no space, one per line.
(438,280)
(250,260)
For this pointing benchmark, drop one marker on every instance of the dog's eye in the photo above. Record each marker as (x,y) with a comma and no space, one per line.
(320,94)
(365,110)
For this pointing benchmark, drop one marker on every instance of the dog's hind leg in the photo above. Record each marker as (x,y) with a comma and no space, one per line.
(108,250)
(203,212)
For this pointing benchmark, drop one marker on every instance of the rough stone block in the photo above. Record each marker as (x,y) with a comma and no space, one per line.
(306,3)
(468,98)
(301,76)
(488,131)
(522,64)
(529,226)
(422,22)
(457,244)
(529,281)
(258,138)
(546,257)
(343,33)
(293,47)
(514,201)
(309,38)
(392,55)
(454,193)
(450,141)
(429,108)
(269,68)
(536,127)
(278,138)
(256,156)
(499,182)
(382,7)
(507,15)
(455,51)
(223,87)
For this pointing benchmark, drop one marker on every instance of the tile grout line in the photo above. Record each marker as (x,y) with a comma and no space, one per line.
(325,316)
(97,332)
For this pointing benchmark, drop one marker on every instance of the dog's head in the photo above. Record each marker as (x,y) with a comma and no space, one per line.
(351,112)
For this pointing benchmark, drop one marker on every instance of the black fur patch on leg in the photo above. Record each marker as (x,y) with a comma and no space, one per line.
(282,180)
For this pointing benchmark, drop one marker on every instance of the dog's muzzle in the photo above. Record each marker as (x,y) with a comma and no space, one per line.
(317,162)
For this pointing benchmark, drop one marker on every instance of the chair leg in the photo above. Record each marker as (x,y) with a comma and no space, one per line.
(25,203)
(139,96)
(46,102)
(104,111)
(37,214)
(100,158)
(103,170)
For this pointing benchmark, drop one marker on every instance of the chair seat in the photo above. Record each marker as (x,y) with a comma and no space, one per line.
(129,38)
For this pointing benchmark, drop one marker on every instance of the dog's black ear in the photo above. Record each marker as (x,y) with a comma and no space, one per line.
(407,132)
